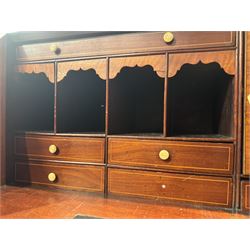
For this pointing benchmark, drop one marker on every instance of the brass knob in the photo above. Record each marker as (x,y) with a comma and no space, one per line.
(54,48)
(168,37)
(52,177)
(248,98)
(164,155)
(52,149)
(163,186)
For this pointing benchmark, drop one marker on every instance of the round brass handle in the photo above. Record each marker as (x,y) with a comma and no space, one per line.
(164,155)
(54,48)
(51,177)
(53,149)
(163,186)
(248,98)
(168,37)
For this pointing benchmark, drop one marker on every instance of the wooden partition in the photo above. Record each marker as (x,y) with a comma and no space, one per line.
(2,107)
(246,168)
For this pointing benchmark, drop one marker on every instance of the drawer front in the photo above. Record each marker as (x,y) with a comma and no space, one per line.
(125,43)
(197,157)
(184,188)
(75,177)
(245,196)
(67,148)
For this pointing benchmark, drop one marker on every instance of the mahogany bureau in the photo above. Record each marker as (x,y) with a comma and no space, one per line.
(156,115)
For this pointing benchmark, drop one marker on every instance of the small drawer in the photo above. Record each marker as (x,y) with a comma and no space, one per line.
(184,188)
(77,149)
(245,196)
(75,177)
(184,156)
(125,43)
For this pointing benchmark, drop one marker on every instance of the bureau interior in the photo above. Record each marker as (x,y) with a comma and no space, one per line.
(31,102)
(81,103)
(200,102)
(136,97)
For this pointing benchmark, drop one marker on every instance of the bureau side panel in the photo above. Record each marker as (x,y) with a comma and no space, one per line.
(246,168)
(2,107)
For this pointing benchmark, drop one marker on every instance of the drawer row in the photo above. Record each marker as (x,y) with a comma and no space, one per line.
(216,158)
(124,44)
(200,190)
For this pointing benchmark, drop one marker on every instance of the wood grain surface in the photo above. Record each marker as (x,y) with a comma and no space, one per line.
(184,156)
(246,167)
(125,43)
(47,203)
(99,65)
(75,177)
(69,148)
(158,62)
(226,59)
(184,188)
(245,196)
(46,68)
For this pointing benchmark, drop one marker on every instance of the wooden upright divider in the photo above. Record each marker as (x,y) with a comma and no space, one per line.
(3,49)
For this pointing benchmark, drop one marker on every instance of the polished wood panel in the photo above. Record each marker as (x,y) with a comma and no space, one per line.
(158,62)
(245,196)
(68,148)
(99,65)
(184,156)
(46,68)
(226,59)
(3,60)
(76,177)
(184,188)
(27,37)
(246,149)
(125,43)
(50,203)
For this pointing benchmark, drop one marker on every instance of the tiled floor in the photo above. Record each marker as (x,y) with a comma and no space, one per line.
(25,202)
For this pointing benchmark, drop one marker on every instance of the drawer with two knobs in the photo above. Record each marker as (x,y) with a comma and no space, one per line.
(136,42)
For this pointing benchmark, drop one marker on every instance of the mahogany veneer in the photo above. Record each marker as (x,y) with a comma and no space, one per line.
(46,68)
(196,189)
(75,177)
(78,149)
(245,183)
(34,203)
(226,59)
(129,43)
(245,196)
(246,166)
(184,156)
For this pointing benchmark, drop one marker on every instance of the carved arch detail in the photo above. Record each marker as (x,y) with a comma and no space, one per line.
(158,62)
(99,65)
(226,59)
(46,68)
